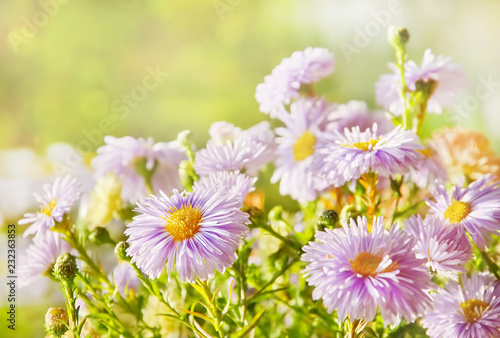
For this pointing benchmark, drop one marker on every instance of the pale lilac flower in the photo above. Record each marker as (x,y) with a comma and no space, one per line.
(192,232)
(354,271)
(469,309)
(56,201)
(345,157)
(127,156)
(446,248)
(125,277)
(475,208)
(449,77)
(40,257)
(296,149)
(428,170)
(240,184)
(356,113)
(303,67)
(245,151)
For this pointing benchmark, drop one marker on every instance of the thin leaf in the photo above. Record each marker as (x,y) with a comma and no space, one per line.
(247,329)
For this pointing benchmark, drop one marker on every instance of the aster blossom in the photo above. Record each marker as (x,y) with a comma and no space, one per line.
(192,232)
(474,208)
(345,157)
(240,184)
(448,81)
(283,84)
(130,159)
(233,149)
(429,169)
(468,309)
(354,271)
(55,201)
(124,277)
(40,257)
(444,247)
(296,149)
(356,113)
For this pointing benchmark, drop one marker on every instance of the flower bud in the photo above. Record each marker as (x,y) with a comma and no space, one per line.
(121,251)
(348,212)
(56,322)
(328,219)
(398,36)
(65,268)
(100,236)
(184,138)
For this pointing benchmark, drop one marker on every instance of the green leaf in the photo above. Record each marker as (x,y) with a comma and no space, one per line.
(247,329)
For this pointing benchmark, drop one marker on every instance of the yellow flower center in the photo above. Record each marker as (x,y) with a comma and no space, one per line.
(48,209)
(473,309)
(304,146)
(366,264)
(183,223)
(457,211)
(365,146)
(427,152)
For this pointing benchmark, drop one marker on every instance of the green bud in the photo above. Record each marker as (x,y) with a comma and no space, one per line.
(56,322)
(142,169)
(121,251)
(328,219)
(398,36)
(100,235)
(184,138)
(65,268)
(276,213)
(348,212)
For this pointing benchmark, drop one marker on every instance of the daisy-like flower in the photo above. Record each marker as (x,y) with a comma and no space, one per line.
(56,201)
(465,152)
(40,257)
(232,149)
(356,113)
(132,159)
(124,277)
(303,67)
(444,247)
(429,169)
(296,149)
(474,208)
(193,232)
(469,309)
(354,271)
(449,80)
(105,201)
(345,157)
(240,184)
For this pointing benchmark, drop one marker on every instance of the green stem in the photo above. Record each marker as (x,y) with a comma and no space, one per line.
(214,312)
(491,265)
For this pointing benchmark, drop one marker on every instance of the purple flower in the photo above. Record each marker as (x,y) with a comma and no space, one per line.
(296,147)
(475,208)
(345,157)
(240,184)
(40,257)
(449,78)
(124,277)
(56,201)
(193,232)
(357,113)
(303,67)
(469,309)
(428,170)
(445,248)
(128,156)
(354,271)
(236,150)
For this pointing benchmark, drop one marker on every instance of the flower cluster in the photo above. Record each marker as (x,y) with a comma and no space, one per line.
(391,233)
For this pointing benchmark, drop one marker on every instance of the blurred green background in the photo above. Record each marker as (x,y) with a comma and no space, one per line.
(73,71)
